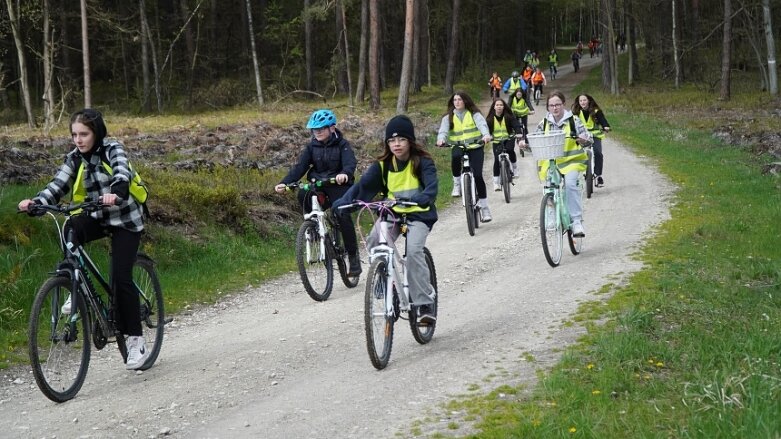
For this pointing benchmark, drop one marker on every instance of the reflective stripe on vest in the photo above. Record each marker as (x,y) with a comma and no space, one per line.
(500,130)
(402,184)
(553,59)
(515,83)
(519,107)
(464,131)
(574,158)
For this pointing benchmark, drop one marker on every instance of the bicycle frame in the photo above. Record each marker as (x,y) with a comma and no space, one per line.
(554,183)
(318,214)
(396,262)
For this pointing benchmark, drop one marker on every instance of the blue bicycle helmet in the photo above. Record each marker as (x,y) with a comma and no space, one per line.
(321,119)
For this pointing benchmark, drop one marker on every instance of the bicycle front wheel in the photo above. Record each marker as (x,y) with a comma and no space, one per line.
(379,325)
(551,231)
(575,243)
(314,263)
(471,217)
(505,175)
(59,351)
(423,333)
(152,314)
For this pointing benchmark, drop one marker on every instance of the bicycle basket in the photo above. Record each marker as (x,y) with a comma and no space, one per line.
(546,146)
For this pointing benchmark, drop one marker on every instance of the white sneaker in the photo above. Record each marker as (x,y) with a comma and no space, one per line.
(66,307)
(485,214)
(497,184)
(577,230)
(515,171)
(137,352)
(456,187)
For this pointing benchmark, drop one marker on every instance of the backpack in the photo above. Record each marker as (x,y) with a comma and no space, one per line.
(137,188)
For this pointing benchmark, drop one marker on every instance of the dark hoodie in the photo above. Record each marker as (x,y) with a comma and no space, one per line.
(322,161)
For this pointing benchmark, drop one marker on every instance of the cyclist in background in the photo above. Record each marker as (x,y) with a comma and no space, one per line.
(527,57)
(575,60)
(513,83)
(327,155)
(527,76)
(495,84)
(503,126)
(535,62)
(521,107)
(404,171)
(553,62)
(85,175)
(538,81)
(575,158)
(463,122)
(586,108)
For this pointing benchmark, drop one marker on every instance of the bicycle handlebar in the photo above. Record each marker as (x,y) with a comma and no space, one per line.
(378,205)
(311,184)
(463,145)
(66,209)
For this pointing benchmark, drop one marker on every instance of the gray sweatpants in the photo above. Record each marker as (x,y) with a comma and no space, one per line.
(574,203)
(418,276)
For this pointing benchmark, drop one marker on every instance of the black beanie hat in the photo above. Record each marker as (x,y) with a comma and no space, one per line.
(400,126)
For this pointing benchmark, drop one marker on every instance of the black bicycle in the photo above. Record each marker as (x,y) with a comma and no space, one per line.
(318,243)
(60,332)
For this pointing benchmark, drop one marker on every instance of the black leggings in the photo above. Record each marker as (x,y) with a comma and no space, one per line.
(509,146)
(346,225)
(598,157)
(124,247)
(475,162)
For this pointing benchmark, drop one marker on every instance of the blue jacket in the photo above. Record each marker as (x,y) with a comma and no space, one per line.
(324,160)
(506,85)
(371,183)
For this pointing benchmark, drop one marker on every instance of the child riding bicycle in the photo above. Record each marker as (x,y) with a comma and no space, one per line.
(328,155)
(404,171)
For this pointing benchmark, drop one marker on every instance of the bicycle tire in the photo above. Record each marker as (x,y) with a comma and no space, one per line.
(317,275)
(339,254)
(575,243)
(466,188)
(550,230)
(424,333)
(378,325)
(59,365)
(152,307)
(589,174)
(506,179)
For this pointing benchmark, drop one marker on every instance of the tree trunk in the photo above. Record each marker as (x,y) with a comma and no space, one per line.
(150,41)
(48,71)
(146,105)
(726,52)
(340,7)
(85,56)
(363,51)
(406,60)
(676,58)
(633,66)
(340,69)
(452,52)
(308,55)
(771,49)
(609,56)
(189,39)
(374,54)
(251,32)
(23,84)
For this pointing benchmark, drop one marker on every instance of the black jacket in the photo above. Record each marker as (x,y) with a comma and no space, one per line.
(324,160)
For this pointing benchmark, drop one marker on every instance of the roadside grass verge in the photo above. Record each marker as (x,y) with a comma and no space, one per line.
(691,346)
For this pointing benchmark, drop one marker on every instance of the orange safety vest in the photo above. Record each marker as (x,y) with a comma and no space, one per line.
(527,74)
(537,78)
(496,82)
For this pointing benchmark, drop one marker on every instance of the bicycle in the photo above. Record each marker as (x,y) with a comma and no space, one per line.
(553,71)
(537,93)
(318,243)
(384,302)
(555,220)
(505,172)
(468,188)
(59,342)
(589,171)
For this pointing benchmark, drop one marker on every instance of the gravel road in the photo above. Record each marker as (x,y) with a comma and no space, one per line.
(270,362)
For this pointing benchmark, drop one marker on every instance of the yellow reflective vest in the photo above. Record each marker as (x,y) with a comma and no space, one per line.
(574,158)
(591,124)
(403,184)
(519,107)
(464,130)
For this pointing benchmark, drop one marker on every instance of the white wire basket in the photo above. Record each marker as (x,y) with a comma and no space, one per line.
(546,146)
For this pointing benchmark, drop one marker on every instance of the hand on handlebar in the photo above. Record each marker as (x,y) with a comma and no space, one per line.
(109,199)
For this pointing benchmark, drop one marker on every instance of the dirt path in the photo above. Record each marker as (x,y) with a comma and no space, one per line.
(272,363)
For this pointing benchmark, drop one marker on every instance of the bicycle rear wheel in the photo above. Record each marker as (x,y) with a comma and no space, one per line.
(317,273)
(505,176)
(152,313)
(551,231)
(589,174)
(342,260)
(471,215)
(378,325)
(575,243)
(59,356)
(423,333)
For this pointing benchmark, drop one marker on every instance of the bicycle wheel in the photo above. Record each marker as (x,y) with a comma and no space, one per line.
(550,230)
(317,272)
(537,94)
(379,326)
(589,174)
(59,355)
(339,254)
(575,244)
(505,175)
(152,311)
(471,216)
(423,333)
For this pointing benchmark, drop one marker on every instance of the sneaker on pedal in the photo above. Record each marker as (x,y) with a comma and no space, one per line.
(426,315)
(137,352)
(577,230)
(485,214)
(355,265)
(600,181)
(66,307)
(456,187)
